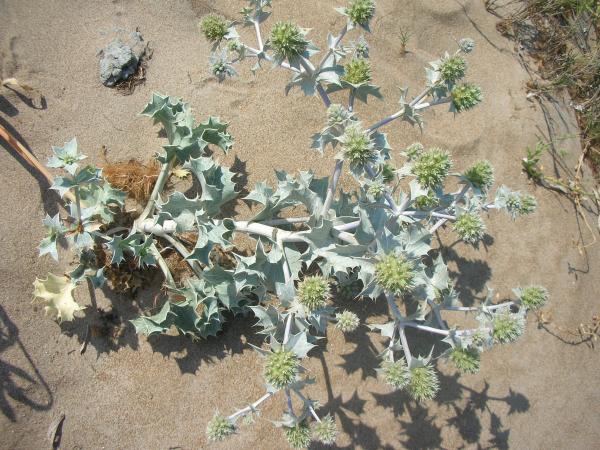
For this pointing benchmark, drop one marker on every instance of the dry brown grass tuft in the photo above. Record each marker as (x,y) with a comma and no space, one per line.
(133,177)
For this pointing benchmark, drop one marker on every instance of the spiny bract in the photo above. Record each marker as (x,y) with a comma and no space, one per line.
(432,167)
(466,96)
(325,431)
(396,373)
(219,428)
(424,383)
(533,297)
(466,359)
(395,273)
(299,435)
(357,147)
(357,71)
(214,27)
(281,368)
(347,321)
(508,327)
(313,292)
(481,175)
(469,227)
(361,11)
(453,69)
(287,40)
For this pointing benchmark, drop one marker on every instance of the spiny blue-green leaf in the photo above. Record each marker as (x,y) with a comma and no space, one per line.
(216,182)
(181,209)
(54,229)
(209,235)
(65,157)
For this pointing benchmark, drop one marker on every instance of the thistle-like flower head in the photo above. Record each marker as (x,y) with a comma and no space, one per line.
(507,326)
(347,321)
(357,72)
(281,368)
(214,27)
(376,189)
(325,431)
(424,383)
(313,292)
(395,273)
(298,436)
(481,175)
(219,428)
(396,373)
(357,146)
(388,172)
(533,297)
(413,151)
(426,201)
(453,68)
(360,12)
(287,40)
(220,66)
(466,359)
(469,227)
(361,48)
(528,204)
(337,115)
(466,96)
(466,45)
(432,167)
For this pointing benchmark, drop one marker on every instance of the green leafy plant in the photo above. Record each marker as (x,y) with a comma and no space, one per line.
(372,243)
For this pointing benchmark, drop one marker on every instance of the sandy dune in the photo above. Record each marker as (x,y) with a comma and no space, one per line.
(160,393)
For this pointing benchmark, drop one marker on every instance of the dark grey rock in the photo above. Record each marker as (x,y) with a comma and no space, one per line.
(120,58)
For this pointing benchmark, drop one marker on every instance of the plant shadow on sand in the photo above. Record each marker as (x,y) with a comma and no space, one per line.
(468,411)
(24,384)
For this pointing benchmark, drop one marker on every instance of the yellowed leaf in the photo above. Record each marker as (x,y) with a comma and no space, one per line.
(180,172)
(56,294)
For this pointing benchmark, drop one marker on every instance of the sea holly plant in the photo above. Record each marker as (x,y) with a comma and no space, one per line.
(313,242)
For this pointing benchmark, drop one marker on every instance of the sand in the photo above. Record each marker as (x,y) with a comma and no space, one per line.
(159,393)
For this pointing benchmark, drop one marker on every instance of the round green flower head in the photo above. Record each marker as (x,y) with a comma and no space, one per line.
(413,151)
(357,147)
(388,172)
(466,45)
(219,428)
(360,12)
(528,204)
(313,292)
(347,321)
(466,359)
(466,96)
(234,45)
(453,69)
(214,27)
(533,297)
(287,40)
(281,368)
(426,201)
(376,189)
(298,436)
(336,115)
(470,227)
(508,327)
(432,167)
(423,384)
(481,175)
(325,431)
(395,273)
(396,373)
(357,71)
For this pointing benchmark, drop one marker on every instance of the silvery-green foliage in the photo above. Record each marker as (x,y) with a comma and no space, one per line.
(219,428)
(313,242)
